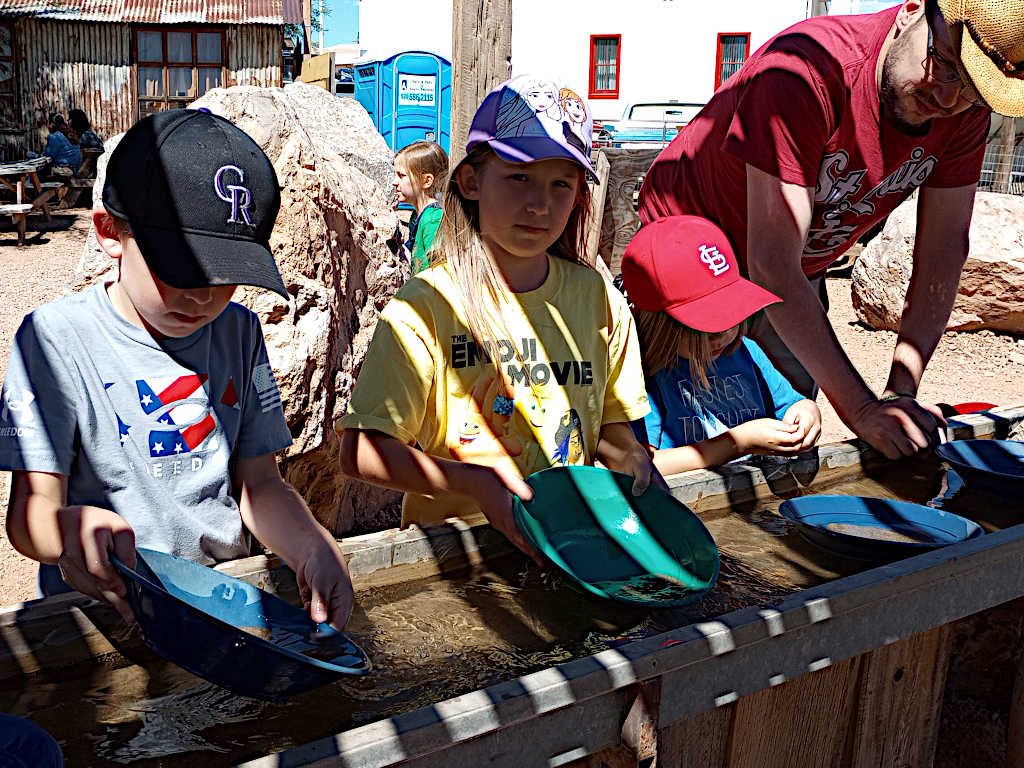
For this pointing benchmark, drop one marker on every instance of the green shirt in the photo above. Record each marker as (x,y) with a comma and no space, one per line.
(429,221)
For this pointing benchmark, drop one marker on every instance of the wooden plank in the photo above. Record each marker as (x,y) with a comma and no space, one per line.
(620,221)
(900,704)
(318,70)
(809,717)
(1015,729)
(701,740)
(612,757)
(481,58)
(598,194)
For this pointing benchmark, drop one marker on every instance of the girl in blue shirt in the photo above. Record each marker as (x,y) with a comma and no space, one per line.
(715,396)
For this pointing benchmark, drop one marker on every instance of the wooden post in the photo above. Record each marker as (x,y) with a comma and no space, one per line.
(481,58)
(598,193)
(1015,729)
(620,221)
(1004,155)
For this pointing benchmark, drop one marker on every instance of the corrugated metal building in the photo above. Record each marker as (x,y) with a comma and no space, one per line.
(119,60)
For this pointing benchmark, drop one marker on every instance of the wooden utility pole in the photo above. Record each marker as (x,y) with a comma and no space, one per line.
(481,58)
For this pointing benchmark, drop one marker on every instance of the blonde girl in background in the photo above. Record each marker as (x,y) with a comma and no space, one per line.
(420,170)
(508,355)
(714,394)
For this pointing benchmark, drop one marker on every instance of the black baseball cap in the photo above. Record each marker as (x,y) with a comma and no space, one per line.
(201,198)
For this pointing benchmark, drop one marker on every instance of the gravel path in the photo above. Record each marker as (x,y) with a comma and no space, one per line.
(966,367)
(32,275)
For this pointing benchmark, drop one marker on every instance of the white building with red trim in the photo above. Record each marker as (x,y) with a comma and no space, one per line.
(643,51)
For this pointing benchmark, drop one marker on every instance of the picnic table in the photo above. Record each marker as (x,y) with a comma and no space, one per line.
(22,178)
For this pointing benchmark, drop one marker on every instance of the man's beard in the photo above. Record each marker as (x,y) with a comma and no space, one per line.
(890,104)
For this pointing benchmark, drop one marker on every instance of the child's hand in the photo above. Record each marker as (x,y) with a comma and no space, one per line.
(325,586)
(805,415)
(767,436)
(89,535)
(619,450)
(637,463)
(492,488)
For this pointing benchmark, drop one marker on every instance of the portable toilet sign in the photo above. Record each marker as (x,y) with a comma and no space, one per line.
(408,96)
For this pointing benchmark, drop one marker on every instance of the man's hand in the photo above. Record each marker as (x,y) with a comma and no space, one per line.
(90,534)
(805,415)
(325,586)
(898,426)
(767,436)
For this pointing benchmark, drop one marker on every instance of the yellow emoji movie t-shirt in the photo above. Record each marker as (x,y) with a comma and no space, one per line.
(570,366)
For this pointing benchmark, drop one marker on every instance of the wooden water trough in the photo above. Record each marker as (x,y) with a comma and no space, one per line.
(851,672)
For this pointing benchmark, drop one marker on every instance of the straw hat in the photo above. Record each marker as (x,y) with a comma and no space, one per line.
(992,51)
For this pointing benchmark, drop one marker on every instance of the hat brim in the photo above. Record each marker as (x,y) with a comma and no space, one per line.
(528,149)
(187,260)
(723,309)
(1002,93)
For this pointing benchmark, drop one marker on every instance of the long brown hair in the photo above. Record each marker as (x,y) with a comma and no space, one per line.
(661,337)
(479,282)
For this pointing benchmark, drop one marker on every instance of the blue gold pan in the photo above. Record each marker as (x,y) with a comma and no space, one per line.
(232,633)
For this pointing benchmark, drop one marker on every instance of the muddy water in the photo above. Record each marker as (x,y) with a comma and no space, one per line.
(433,639)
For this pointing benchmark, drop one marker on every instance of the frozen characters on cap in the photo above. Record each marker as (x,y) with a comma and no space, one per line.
(574,109)
(524,113)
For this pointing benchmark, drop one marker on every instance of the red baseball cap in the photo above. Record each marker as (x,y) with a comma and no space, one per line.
(684,265)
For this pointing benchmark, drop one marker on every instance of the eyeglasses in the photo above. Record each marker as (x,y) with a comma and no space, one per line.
(942,70)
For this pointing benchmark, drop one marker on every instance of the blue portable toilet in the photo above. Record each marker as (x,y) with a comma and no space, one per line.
(408,96)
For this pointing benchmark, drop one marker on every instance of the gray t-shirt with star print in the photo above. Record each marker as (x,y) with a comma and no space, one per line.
(148,429)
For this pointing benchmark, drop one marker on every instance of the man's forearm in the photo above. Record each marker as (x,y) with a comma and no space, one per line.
(779,217)
(940,247)
(802,324)
(925,315)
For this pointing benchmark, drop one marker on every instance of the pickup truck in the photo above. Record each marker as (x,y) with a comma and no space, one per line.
(647,124)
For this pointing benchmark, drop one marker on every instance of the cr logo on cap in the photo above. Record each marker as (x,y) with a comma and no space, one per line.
(237,194)
(714,258)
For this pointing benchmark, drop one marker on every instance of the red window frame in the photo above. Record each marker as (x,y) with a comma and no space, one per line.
(718,53)
(607,93)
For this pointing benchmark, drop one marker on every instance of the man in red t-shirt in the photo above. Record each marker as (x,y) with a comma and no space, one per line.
(818,137)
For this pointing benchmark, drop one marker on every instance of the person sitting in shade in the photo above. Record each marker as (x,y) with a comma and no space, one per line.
(60,149)
(81,131)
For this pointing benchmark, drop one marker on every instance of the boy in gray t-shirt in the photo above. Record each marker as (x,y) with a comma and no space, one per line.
(144,412)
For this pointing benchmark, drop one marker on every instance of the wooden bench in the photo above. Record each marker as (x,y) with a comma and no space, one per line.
(85,179)
(43,192)
(18,212)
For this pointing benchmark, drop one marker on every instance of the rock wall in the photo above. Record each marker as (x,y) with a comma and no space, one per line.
(991,292)
(335,242)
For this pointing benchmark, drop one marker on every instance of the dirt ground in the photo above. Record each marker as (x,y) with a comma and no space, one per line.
(982,366)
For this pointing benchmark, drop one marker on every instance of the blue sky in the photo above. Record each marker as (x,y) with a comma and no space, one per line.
(343,22)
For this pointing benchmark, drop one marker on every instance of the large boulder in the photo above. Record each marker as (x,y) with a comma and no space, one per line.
(335,242)
(991,292)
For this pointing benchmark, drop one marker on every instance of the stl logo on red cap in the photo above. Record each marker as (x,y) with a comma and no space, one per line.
(714,258)
(238,195)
